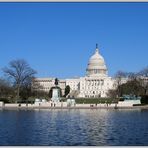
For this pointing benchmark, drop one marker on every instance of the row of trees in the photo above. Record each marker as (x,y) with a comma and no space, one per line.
(135,83)
(18,82)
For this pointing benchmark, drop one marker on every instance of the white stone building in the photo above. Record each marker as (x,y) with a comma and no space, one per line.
(95,84)
(45,84)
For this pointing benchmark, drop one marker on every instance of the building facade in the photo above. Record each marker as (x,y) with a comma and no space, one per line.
(95,84)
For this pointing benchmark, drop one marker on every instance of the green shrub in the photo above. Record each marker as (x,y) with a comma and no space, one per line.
(138,104)
(93,100)
(121,99)
(63,99)
(144,99)
(25,101)
(5,100)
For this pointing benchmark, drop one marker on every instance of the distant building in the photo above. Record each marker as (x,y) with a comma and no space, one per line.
(45,84)
(95,84)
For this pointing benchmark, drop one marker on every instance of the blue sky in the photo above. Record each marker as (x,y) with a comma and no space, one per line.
(57,39)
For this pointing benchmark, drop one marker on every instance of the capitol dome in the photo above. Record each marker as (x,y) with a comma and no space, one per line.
(96,65)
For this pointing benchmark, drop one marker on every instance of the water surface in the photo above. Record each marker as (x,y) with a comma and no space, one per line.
(71,127)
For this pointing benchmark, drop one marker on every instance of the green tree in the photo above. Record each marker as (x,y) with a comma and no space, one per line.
(50,93)
(67,90)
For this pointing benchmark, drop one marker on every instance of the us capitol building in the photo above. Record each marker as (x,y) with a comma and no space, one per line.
(95,84)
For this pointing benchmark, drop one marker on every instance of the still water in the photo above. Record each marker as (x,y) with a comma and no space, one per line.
(81,127)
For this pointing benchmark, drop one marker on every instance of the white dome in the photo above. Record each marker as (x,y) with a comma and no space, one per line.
(96,65)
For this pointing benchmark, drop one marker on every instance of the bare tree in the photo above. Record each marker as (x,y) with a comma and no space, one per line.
(19,71)
(144,72)
(119,80)
(112,93)
(6,90)
(132,76)
(143,78)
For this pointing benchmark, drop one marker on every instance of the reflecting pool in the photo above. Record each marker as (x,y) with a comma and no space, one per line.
(72,127)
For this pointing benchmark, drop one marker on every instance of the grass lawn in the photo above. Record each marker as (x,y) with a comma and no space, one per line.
(78,100)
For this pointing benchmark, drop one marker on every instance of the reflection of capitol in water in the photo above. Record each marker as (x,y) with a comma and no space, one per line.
(88,125)
(95,84)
